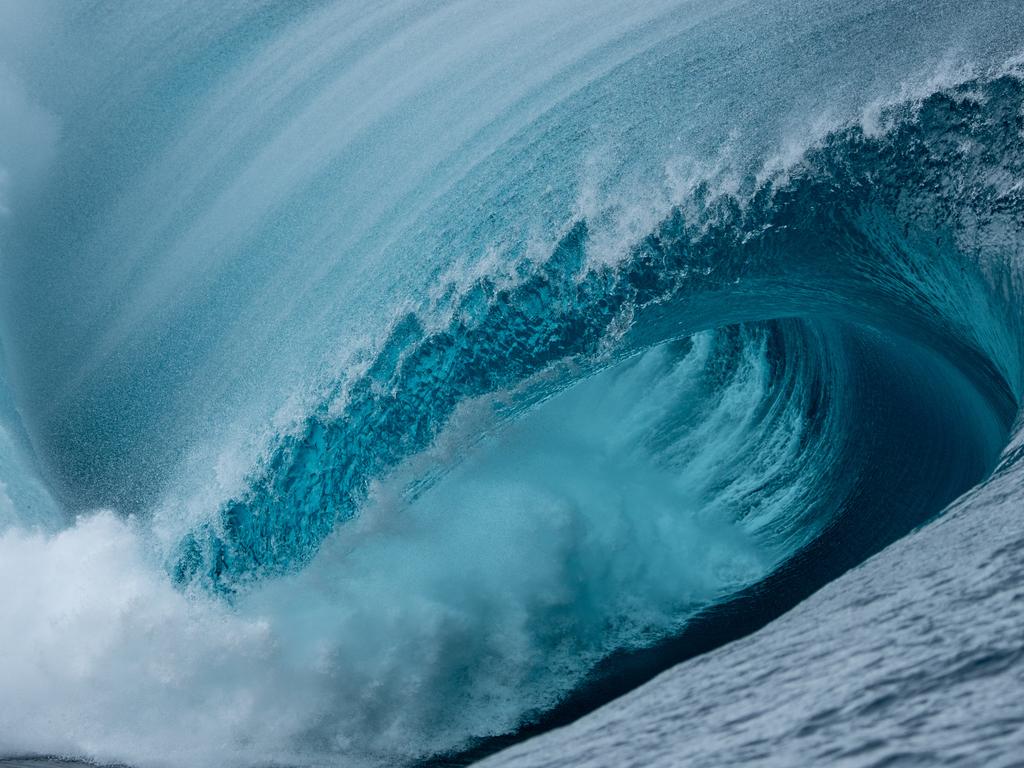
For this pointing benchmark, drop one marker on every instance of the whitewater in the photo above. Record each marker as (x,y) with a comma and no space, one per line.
(547,383)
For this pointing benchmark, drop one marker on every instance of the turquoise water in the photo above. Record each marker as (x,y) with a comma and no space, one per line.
(379,383)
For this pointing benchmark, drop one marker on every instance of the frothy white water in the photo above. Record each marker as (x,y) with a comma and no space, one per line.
(441,614)
(102,657)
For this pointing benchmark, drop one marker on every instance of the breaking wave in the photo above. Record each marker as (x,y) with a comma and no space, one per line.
(574,453)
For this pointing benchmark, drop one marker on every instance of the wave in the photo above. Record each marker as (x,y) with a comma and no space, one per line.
(566,468)
(833,239)
(554,402)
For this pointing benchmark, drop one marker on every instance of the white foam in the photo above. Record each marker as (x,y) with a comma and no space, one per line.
(438,615)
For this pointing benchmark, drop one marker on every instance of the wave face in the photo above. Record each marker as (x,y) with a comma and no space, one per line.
(378,385)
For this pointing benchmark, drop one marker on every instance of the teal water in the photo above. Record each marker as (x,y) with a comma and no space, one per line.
(381,383)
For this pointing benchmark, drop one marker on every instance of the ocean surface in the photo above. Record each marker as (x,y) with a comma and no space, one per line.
(550,383)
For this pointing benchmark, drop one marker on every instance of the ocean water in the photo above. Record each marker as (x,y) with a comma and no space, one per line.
(919,662)
(391,384)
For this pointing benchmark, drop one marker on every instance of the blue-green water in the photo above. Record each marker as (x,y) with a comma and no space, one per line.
(379,382)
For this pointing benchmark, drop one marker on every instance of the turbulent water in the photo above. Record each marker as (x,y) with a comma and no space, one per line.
(383,384)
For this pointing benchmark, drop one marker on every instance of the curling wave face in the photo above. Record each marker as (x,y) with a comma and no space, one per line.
(554,433)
